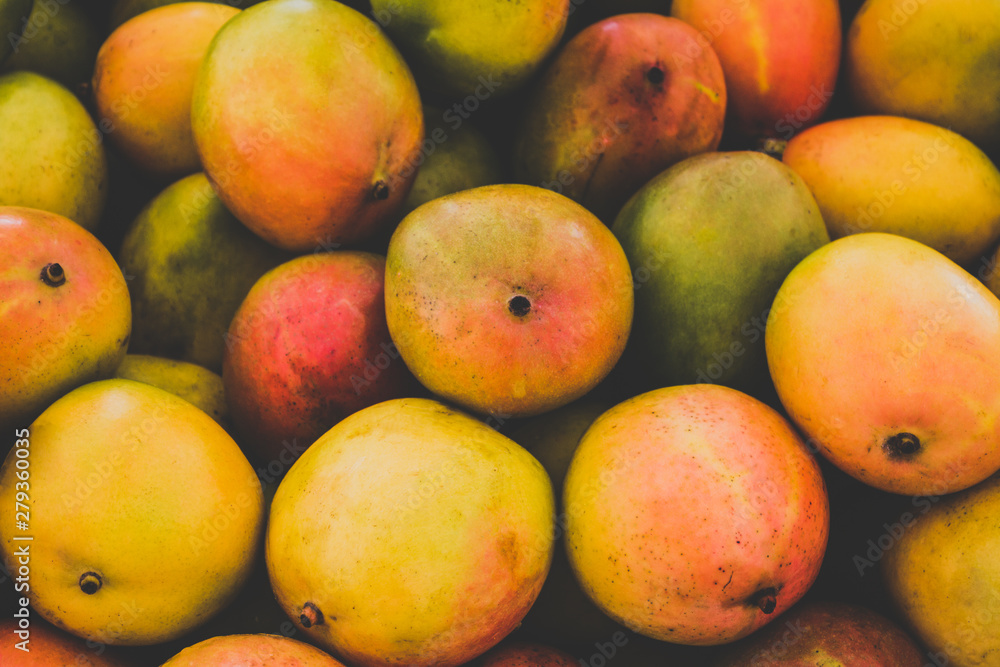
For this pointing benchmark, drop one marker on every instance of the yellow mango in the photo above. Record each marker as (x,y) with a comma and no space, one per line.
(901,176)
(934,60)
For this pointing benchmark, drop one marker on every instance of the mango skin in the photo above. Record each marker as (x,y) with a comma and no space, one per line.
(192,264)
(279,88)
(195,384)
(781,60)
(685,504)
(51,155)
(252,651)
(901,176)
(943,576)
(459,159)
(420,534)
(522,654)
(932,60)
(60,45)
(826,633)
(308,346)
(454,270)
(55,338)
(876,335)
(709,241)
(144,80)
(661,97)
(52,647)
(454,45)
(140,487)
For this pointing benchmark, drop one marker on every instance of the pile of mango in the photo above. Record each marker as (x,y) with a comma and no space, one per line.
(500,333)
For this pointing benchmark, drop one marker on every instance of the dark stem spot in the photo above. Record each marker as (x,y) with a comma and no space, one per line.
(519,306)
(90,582)
(53,275)
(901,445)
(655,75)
(311,615)
(765,599)
(380,192)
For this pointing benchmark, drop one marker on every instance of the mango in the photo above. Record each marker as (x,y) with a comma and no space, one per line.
(309,346)
(709,241)
(881,350)
(450,160)
(195,384)
(261,650)
(48,646)
(932,60)
(521,654)
(478,47)
(944,577)
(277,91)
(901,176)
(60,41)
(694,514)
(410,533)
(833,634)
(146,516)
(508,299)
(780,60)
(144,79)
(65,317)
(562,614)
(192,264)
(51,155)
(660,97)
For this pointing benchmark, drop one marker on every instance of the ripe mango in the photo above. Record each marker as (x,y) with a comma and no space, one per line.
(65,317)
(933,60)
(660,97)
(780,59)
(695,514)
(901,176)
(144,79)
(278,91)
(51,155)
(507,299)
(882,350)
(944,576)
(145,514)
(252,651)
(410,533)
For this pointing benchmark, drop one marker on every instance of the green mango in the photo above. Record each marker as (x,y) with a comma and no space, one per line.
(13,15)
(60,42)
(451,159)
(193,263)
(709,242)
(51,155)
